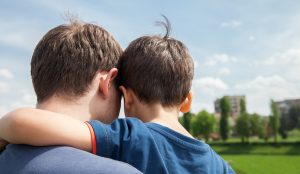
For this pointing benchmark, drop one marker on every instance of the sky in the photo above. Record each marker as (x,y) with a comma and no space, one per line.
(246,48)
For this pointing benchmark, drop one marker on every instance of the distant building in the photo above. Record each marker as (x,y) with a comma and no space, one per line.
(284,108)
(234,103)
(285,105)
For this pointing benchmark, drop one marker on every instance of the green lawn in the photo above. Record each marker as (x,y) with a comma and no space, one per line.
(258,157)
(264,164)
(257,140)
(257,149)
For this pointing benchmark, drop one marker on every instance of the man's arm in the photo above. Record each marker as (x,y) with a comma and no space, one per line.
(42,128)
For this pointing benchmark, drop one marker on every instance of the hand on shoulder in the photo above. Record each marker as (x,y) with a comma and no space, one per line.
(3,143)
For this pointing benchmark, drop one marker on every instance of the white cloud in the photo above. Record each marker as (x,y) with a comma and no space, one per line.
(224,71)
(15,38)
(258,92)
(19,98)
(210,83)
(252,38)
(289,57)
(5,73)
(286,62)
(205,91)
(231,24)
(3,111)
(202,104)
(219,59)
(4,87)
(261,89)
(20,34)
(27,99)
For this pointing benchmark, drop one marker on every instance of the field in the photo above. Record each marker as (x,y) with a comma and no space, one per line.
(261,158)
(264,164)
(257,148)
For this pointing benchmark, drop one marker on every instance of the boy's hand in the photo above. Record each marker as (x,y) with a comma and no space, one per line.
(2,144)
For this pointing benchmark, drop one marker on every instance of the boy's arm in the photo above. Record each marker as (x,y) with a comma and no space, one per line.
(42,128)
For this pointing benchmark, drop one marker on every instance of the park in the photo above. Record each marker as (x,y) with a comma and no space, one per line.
(254,143)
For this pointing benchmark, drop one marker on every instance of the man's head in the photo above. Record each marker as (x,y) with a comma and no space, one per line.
(68,58)
(157,70)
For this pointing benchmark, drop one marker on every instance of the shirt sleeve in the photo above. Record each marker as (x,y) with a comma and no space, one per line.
(224,167)
(115,140)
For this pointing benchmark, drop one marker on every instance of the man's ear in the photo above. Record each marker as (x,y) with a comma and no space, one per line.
(105,81)
(186,105)
(127,97)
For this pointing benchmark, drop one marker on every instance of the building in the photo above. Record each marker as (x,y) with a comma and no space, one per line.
(284,109)
(234,103)
(285,105)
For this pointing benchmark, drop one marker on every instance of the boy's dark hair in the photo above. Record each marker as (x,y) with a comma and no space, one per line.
(67,58)
(157,69)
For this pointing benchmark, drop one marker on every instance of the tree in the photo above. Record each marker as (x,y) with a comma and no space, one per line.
(267,128)
(284,127)
(185,121)
(243,106)
(202,124)
(243,125)
(282,130)
(274,120)
(225,111)
(256,124)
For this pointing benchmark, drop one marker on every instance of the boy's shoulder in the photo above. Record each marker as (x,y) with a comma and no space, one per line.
(127,125)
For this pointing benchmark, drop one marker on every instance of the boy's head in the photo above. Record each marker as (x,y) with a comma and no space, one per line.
(157,69)
(68,59)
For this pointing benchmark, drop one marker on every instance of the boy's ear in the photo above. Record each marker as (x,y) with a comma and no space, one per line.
(105,81)
(127,97)
(186,105)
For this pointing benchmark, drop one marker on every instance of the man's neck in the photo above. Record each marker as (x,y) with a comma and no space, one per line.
(78,109)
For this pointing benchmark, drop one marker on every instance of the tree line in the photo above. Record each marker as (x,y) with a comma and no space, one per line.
(205,125)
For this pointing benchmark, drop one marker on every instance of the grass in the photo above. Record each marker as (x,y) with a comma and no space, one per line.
(261,158)
(264,164)
(258,140)
(257,148)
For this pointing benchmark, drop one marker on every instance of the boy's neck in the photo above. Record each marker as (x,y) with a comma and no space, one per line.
(166,116)
(75,109)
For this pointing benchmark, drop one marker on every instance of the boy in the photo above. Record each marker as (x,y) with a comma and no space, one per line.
(155,78)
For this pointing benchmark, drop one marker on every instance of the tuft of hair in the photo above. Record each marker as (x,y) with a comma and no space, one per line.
(166,25)
(70,17)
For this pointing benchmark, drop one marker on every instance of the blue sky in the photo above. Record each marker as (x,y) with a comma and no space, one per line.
(247,48)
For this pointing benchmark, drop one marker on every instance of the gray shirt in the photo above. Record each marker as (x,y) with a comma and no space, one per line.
(22,159)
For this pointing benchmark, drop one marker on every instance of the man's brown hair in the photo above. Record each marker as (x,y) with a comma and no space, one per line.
(157,69)
(67,58)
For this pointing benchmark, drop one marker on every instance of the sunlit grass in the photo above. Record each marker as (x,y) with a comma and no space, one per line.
(264,164)
(257,149)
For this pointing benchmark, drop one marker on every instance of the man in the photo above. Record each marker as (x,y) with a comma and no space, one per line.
(74,72)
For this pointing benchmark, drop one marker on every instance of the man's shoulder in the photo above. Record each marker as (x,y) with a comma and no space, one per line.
(57,159)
